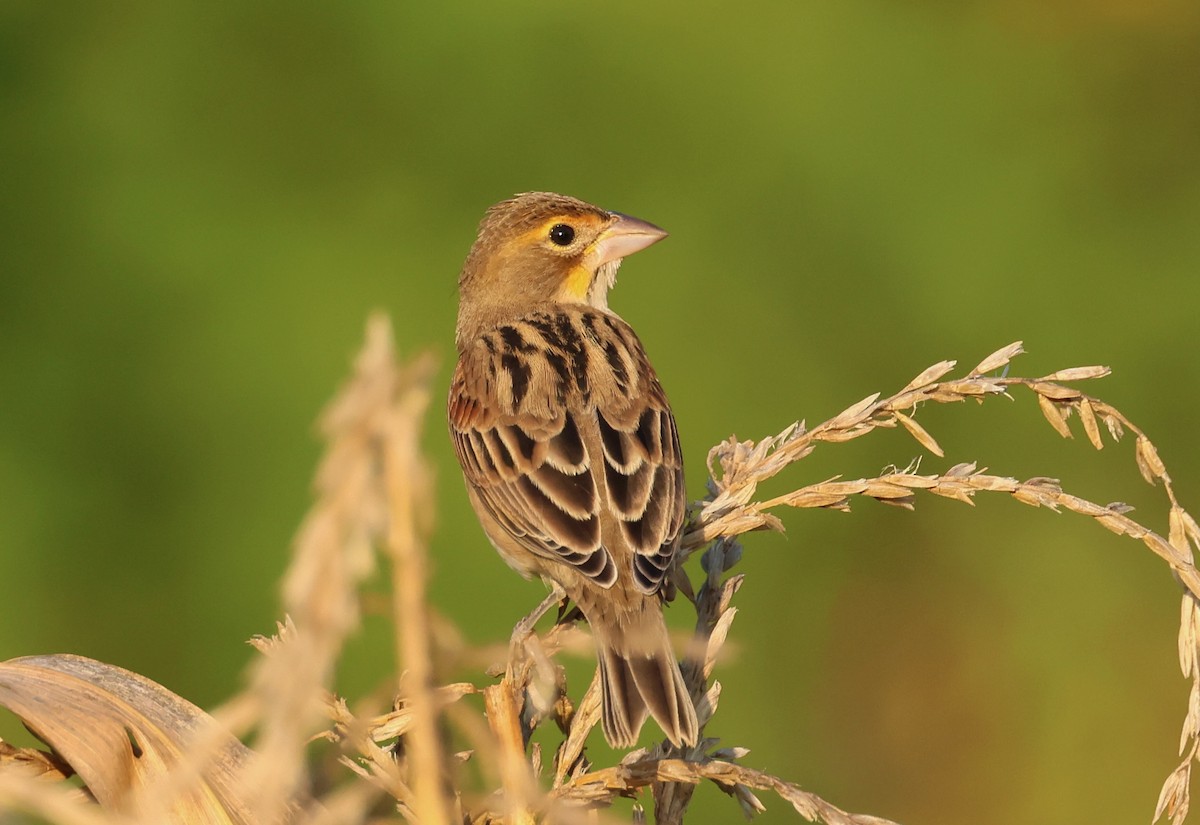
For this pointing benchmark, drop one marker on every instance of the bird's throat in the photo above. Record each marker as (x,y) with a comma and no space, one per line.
(584,287)
(577,284)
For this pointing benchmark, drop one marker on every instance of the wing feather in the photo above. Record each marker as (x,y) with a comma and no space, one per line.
(532,478)
(527,458)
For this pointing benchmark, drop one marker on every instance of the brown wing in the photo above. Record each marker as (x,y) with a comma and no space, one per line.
(643,473)
(534,478)
(522,426)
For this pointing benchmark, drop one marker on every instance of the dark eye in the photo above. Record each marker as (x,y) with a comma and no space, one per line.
(561,234)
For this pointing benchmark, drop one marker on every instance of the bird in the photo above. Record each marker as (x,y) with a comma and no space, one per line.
(567,442)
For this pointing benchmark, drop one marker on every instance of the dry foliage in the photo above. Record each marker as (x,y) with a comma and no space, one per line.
(146,756)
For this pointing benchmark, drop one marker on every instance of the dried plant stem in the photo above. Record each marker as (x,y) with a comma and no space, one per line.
(333,555)
(960,483)
(504,718)
(406,481)
(374,490)
(730,510)
(569,761)
(599,785)
(745,464)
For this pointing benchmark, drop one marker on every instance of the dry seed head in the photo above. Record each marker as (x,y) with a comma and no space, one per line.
(929,375)
(1187,634)
(998,359)
(1054,415)
(1173,799)
(1177,534)
(1088,417)
(708,704)
(852,413)
(920,434)
(1077,374)
(1191,723)
(1147,455)
(1115,429)
(1054,391)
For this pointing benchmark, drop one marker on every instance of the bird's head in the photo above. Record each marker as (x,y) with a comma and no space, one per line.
(540,247)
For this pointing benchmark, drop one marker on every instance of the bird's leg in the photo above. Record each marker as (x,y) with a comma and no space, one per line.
(525,626)
(568,612)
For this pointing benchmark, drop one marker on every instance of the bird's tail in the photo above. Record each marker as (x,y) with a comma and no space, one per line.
(638,677)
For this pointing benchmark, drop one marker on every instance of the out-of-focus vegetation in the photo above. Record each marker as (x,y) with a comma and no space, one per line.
(200,202)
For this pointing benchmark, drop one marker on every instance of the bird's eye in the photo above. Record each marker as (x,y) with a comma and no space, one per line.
(561,234)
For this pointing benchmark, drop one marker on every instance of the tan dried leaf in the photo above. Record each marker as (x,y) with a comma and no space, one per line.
(853,413)
(1117,524)
(1148,461)
(285,632)
(944,396)
(717,638)
(1055,391)
(750,804)
(883,490)
(1084,507)
(1177,534)
(397,723)
(906,503)
(1054,415)
(1088,417)
(1077,374)
(570,760)
(772,522)
(1191,528)
(928,376)
(708,703)
(920,434)
(1191,722)
(728,590)
(1162,548)
(973,387)
(1001,484)
(847,432)
(911,480)
(1187,634)
(1173,799)
(1033,497)
(998,359)
(124,735)
(958,491)
(1115,428)
(816,497)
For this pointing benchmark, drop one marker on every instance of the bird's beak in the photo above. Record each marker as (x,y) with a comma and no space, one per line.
(624,236)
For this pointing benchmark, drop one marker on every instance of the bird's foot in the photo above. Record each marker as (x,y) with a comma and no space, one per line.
(524,627)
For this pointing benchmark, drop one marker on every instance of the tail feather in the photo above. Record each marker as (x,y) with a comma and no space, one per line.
(623,711)
(640,680)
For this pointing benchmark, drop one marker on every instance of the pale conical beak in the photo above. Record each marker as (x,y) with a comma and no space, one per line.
(622,238)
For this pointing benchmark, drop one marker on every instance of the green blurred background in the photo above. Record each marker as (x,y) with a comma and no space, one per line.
(201,202)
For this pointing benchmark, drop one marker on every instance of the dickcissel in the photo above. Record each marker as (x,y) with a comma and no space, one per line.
(567,441)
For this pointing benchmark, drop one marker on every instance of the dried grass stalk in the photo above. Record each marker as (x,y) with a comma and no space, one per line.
(374,491)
